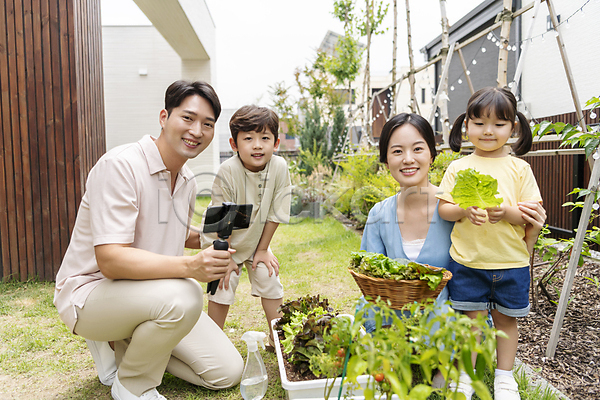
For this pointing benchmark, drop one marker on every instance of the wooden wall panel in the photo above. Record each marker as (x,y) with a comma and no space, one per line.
(557,175)
(52,122)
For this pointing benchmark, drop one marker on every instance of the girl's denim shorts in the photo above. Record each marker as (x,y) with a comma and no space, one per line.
(505,290)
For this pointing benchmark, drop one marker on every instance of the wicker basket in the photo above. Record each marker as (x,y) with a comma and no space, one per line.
(400,292)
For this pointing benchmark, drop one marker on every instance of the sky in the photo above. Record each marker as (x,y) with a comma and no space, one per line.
(261,43)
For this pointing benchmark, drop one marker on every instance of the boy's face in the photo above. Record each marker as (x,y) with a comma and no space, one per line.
(255,148)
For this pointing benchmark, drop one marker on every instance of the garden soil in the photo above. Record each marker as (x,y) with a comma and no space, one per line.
(575,368)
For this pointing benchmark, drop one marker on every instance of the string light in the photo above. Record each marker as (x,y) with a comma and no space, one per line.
(492,36)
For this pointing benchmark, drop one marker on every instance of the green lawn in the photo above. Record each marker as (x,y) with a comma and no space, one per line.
(41,359)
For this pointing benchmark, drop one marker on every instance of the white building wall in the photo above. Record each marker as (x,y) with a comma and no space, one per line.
(133,100)
(544,81)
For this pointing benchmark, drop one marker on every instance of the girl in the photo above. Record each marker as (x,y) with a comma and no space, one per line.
(490,259)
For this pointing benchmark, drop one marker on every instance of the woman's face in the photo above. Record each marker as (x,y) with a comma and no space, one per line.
(408,157)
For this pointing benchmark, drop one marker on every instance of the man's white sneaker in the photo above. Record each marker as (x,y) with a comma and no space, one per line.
(104,359)
(119,392)
(464,386)
(506,388)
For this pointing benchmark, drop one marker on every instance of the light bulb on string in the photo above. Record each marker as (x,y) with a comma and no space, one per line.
(468,72)
(593,115)
(452,88)
(460,81)
(582,12)
(543,39)
(494,39)
(555,33)
(483,49)
(489,35)
(474,62)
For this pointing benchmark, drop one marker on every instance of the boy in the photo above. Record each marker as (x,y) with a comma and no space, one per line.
(253,176)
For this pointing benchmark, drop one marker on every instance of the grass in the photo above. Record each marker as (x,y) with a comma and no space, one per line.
(41,359)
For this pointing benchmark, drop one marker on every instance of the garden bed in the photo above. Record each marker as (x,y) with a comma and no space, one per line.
(575,369)
(309,386)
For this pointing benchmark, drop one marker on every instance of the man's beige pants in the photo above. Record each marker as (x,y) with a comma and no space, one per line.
(159,325)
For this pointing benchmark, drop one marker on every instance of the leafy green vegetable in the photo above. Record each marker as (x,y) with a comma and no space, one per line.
(475,189)
(379,266)
(304,323)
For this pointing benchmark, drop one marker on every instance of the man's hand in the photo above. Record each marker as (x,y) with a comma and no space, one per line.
(495,214)
(210,264)
(268,259)
(476,215)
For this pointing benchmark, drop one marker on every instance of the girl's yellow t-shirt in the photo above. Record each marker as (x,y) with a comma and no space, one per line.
(492,246)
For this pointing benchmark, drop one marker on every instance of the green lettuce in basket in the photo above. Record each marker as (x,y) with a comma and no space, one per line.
(377,265)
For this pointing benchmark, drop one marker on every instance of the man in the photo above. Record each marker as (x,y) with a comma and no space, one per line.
(124,278)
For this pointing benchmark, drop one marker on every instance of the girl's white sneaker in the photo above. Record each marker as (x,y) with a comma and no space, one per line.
(463,386)
(506,388)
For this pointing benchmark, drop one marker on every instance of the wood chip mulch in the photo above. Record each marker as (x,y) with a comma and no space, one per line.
(575,368)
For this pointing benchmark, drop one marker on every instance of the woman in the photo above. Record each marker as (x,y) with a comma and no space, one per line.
(407,225)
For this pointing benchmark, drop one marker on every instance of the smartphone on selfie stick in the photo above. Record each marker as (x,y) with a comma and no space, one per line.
(223,220)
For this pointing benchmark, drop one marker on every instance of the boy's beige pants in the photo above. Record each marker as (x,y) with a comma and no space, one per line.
(159,325)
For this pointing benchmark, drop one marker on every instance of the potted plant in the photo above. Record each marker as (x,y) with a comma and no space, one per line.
(393,362)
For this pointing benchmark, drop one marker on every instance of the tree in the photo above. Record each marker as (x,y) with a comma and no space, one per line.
(344,64)
(444,84)
(414,105)
(374,13)
(282,105)
(313,137)
(338,133)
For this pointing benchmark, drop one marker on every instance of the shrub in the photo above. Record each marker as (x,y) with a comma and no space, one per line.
(364,181)
(440,164)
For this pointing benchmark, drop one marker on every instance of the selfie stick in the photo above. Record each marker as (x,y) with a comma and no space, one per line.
(219,244)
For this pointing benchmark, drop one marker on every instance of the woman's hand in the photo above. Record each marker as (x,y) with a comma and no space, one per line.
(535,215)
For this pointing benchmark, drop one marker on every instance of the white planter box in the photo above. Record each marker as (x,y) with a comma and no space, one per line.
(315,389)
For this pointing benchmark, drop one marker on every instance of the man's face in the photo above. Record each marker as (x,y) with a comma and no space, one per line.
(187,131)
(255,148)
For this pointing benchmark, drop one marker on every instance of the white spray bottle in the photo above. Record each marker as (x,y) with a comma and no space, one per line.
(254,378)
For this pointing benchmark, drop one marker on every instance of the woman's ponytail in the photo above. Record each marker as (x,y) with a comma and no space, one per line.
(455,138)
(523,144)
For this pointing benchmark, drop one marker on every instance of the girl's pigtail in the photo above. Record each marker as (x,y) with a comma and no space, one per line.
(523,144)
(455,137)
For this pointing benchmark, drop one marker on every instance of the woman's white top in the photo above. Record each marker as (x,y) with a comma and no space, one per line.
(412,248)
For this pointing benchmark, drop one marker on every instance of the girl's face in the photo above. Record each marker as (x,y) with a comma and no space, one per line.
(408,157)
(489,134)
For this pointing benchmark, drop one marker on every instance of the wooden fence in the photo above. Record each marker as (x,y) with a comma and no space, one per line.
(557,175)
(52,125)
